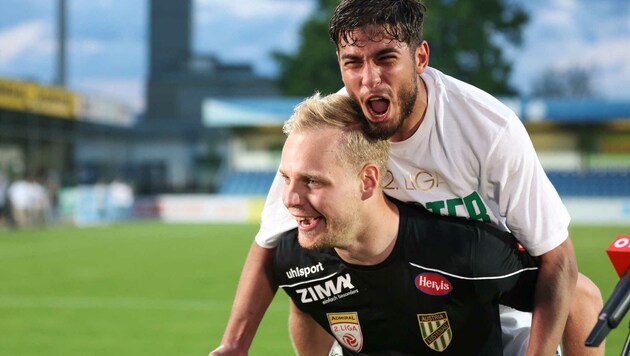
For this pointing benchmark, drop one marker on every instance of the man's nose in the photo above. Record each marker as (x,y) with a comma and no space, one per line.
(291,195)
(371,75)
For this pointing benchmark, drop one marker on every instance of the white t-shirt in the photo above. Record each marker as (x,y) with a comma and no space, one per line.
(470,157)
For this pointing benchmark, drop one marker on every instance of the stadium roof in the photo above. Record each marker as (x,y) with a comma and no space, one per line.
(248,112)
(255,112)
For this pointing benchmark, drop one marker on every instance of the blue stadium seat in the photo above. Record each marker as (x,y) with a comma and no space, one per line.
(246,183)
(594,183)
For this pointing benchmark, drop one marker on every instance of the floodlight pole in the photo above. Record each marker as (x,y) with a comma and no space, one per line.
(61,44)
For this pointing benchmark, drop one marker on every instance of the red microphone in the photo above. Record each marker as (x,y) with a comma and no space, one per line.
(619,302)
(619,254)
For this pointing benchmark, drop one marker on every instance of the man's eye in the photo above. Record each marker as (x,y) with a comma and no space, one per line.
(311,181)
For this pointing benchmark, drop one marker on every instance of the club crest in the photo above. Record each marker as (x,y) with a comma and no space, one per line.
(347,330)
(436,330)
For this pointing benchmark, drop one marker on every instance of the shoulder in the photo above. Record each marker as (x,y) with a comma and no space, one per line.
(287,241)
(425,231)
(417,217)
(467,100)
(450,236)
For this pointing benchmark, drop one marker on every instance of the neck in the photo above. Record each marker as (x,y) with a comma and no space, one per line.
(377,238)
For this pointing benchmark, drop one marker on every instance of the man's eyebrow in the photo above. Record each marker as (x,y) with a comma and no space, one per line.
(304,175)
(378,53)
(317,176)
(384,51)
(349,56)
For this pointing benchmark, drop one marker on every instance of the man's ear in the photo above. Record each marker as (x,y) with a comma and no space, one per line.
(421,57)
(370,180)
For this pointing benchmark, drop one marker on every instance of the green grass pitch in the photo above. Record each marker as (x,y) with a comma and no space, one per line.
(158,289)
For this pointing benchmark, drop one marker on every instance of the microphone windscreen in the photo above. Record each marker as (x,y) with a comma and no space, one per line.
(619,254)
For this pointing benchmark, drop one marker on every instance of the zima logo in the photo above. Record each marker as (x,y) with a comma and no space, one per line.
(433,284)
(436,330)
(347,330)
(330,289)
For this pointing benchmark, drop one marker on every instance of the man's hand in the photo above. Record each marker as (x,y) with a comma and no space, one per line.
(228,350)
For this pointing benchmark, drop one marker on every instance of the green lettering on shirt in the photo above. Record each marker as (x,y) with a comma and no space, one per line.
(452,206)
(476,208)
(435,207)
(473,204)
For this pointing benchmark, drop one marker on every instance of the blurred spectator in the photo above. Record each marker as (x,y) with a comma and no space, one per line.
(30,203)
(102,203)
(4,204)
(100,200)
(20,201)
(40,203)
(120,200)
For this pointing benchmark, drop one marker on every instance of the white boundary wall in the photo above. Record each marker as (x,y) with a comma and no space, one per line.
(209,208)
(599,211)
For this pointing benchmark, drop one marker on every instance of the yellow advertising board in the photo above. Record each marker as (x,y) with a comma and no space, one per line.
(14,95)
(53,101)
(33,98)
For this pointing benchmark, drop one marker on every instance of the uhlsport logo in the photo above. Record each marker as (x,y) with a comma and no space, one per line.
(304,271)
(347,330)
(433,284)
(436,330)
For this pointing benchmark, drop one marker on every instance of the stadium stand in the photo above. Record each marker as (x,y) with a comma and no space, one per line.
(594,183)
(246,183)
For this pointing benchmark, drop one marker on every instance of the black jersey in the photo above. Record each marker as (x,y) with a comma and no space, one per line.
(437,293)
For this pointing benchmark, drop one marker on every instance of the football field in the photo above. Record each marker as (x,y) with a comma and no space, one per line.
(159,289)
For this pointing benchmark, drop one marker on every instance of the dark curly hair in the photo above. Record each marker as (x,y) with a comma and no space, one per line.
(400,20)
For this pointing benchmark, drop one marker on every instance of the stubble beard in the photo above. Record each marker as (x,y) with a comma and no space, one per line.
(378,131)
(340,233)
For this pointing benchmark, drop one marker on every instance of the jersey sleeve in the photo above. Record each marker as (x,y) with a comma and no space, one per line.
(531,206)
(275,218)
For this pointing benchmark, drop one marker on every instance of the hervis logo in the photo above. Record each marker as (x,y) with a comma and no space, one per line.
(347,330)
(433,284)
(436,330)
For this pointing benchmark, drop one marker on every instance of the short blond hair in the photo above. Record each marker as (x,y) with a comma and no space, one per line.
(338,111)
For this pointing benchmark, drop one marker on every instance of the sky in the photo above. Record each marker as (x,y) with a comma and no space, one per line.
(107,48)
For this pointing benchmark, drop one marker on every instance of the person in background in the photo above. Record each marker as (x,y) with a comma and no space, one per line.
(4,201)
(21,202)
(120,200)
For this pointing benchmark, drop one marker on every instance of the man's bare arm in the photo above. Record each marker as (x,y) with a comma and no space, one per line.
(309,339)
(557,278)
(254,294)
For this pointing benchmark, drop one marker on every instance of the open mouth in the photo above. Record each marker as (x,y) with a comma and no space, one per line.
(308,223)
(378,108)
